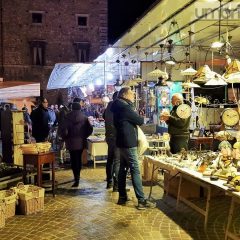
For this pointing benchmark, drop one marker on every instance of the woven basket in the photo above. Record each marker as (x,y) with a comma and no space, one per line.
(31,199)
(2,214)
(9,198)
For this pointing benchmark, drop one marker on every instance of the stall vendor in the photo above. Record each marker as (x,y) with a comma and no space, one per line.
(178,128)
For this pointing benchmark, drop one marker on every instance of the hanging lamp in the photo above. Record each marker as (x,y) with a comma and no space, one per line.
(203,74)
(217,80)
(218,43)
(171,60)
(156,73)
(233,70)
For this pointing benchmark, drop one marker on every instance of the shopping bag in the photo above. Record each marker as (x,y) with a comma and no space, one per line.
(142,141)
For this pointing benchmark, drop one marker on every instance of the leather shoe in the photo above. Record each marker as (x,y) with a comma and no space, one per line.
(123,200)
(76,184)
(109,185)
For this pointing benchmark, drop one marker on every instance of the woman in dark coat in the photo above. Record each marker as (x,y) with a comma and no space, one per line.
(75,133)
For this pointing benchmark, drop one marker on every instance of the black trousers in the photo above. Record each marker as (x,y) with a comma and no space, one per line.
(113,162)
(177,142)
(76,163)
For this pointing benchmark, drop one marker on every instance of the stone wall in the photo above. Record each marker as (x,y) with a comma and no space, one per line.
(59,31)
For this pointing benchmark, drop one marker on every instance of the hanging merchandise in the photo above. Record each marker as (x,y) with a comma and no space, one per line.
(152,99)
(184,111)
(163,101)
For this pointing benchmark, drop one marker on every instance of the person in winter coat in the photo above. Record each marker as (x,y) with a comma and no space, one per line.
(75,133)
(125,121)
(40,119)
(178,128)
(113,159)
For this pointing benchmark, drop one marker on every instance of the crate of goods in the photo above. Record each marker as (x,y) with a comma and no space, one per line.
(9,198)
(35,148)
(30,148)
(31,199)
(2,214)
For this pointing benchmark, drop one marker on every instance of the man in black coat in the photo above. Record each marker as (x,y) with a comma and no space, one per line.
(113,160)
(125,122)
(178,128)
(40,121)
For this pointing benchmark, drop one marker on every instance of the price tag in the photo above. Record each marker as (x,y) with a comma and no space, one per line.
(221,106)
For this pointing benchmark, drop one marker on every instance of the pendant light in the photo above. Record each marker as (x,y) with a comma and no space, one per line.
(217,80)
(219,43)
(138,78)
(190,71)
(203,74)
(156,73)
(170,60)
(232,73)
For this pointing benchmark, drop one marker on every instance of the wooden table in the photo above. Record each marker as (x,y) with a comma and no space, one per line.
(192,176)
(234,202)
(38,160)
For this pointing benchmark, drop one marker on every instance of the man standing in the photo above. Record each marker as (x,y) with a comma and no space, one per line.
(113,160)
(178,128)
(40,121)
(125,122)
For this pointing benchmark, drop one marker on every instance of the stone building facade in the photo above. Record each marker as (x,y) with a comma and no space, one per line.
(36,34)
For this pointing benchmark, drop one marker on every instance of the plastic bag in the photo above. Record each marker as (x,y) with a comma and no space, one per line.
(143,144)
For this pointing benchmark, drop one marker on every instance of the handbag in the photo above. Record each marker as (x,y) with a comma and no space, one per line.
(143,144)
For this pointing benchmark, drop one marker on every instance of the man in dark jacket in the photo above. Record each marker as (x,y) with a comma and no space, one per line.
(125,122)
(178,128)
(75,133)
(40,121)
(113,160)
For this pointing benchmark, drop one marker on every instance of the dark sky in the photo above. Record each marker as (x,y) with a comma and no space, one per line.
(122,14)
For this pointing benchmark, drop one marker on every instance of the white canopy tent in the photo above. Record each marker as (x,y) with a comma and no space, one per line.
(66,75)
(18,89)
(192,25)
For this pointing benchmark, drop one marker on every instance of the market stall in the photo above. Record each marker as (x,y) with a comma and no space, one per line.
(188,171)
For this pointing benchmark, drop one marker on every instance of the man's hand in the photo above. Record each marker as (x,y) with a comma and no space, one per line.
(164,117)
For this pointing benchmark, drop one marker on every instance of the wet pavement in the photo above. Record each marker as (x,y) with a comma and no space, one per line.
(91,212)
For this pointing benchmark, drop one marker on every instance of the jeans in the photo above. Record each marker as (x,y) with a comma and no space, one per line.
(113,163)
(129,159)
(76,163)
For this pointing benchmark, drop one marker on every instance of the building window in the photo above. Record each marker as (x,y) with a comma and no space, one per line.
(37,49)
(37,17)
(82,20)
(82,51)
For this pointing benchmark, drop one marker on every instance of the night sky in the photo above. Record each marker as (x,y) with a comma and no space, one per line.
(122,14)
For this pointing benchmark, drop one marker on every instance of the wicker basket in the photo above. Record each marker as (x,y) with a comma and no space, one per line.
(31,199)
(9,198)
(2,214)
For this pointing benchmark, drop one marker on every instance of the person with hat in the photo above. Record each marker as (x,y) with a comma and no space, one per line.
(75,132)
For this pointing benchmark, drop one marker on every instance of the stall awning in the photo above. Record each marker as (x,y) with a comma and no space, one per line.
(66,75)
(19,89)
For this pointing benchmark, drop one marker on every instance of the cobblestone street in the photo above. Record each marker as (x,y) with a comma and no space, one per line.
(91,212)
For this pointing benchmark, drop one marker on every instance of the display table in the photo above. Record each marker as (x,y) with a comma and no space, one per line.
(38,160)
(235,200)
(197,178)
(97,147)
